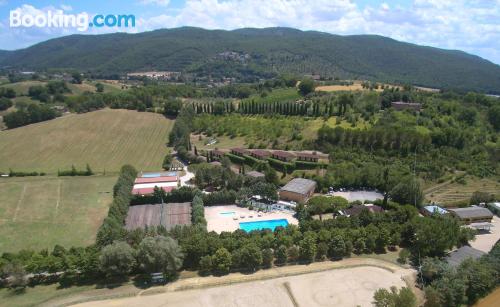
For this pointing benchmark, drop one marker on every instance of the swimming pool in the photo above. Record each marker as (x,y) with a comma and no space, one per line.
(154,175)
(228,213)
(258,225)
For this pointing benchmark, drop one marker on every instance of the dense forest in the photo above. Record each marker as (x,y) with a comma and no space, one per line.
(253,54)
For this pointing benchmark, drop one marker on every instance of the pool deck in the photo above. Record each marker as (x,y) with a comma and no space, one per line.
(219,223)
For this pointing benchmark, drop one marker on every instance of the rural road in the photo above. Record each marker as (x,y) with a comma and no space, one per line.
(346,279)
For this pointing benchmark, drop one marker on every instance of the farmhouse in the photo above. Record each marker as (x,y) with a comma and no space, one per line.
(239,151)
(472,214)
(283,155)
(166,215)
(255,174)
(298,190)
(356,210)
(260,154)
(401,105)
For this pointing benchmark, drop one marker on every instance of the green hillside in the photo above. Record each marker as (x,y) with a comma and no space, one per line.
(264,52)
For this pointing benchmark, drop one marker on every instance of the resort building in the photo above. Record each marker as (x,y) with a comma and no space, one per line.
(239,151)
(298,190)
(356,210)
(456,257)
(283,155)
(308,157)
(472,214)
(260,154)
(145,184)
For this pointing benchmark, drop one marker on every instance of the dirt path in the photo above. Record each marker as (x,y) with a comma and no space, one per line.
(195,283)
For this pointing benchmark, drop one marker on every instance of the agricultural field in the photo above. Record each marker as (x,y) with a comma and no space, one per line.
(22,87)
(105,139)
(356,86)
(453,193)
(262,132)
(40,212)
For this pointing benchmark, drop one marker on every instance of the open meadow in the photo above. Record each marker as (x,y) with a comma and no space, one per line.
(105,139)
(40,212)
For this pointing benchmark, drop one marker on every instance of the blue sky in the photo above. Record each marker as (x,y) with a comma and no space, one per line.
(472,26)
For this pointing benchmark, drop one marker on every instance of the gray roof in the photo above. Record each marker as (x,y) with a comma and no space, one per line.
(472,212)
(255,174)
(300,186)
(458,256)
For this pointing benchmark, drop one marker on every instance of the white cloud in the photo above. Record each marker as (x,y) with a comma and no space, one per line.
(472,26)
(66,7)
(157,2)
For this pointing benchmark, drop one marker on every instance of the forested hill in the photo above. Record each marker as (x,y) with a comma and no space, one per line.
(261,53)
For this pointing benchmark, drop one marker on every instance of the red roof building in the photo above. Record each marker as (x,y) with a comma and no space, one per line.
(149,191)
(157,179)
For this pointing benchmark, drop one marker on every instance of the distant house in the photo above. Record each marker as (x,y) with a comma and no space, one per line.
(433,209)
(401,105)
(260,154)
(472,214)
(239,151)
(255,174)
(455,258)
(308,157)
(283,155)
(356,210)
(298,190)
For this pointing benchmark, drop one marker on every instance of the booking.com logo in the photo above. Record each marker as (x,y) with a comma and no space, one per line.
(57,19)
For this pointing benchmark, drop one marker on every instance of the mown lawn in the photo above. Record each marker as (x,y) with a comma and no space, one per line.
(40,212)
(105,139)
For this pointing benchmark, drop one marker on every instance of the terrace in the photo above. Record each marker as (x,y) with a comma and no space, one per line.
(228,218)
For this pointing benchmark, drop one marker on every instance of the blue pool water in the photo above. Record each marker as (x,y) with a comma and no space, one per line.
(227,213)
(258,225)
(154,175)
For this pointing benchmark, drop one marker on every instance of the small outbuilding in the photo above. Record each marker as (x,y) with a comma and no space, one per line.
(433,210)
(298,190)
(472,214)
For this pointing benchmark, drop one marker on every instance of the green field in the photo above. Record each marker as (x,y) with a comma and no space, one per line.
(22,87)
(39,212)
(105,139)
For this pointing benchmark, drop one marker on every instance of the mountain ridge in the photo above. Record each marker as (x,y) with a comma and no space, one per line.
(270,50)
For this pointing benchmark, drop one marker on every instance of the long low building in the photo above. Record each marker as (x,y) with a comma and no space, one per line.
(145,184)
(472,214)
(166,215)
(298,190)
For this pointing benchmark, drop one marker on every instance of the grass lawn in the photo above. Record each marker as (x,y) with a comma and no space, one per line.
(105,139)
(22,87)
(40,212)
(34,296)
